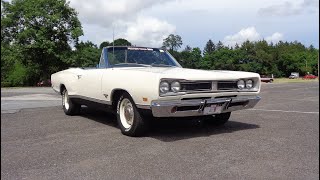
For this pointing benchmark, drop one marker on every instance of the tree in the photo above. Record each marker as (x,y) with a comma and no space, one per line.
(191,59)
(121,42)
(86,54)
(13,73)
(187,48)
(236,46)
(311,48)
(209,48)
(248,47)
(173,42)
(219,45)
(117,42)
(43,31)
(105,44)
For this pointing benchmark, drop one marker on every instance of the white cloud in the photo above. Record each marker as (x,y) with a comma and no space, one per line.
(148,31)
(126,18)
(290,8)
(274,38)
(107,13)
(145,22)
(250,34)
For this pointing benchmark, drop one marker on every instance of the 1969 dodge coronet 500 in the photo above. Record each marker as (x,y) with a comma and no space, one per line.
(134,81)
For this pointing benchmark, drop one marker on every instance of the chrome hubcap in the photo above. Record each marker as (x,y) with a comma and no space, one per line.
(65,100)
(126,113)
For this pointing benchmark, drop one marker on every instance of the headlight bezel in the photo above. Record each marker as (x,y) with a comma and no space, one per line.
(173,85)
(243,83)
(252,83)
(160,86)
(246,88)
(171,92)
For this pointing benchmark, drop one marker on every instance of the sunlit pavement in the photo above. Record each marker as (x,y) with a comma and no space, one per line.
(278,139)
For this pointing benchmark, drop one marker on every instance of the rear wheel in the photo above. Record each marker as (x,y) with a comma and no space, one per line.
(218,119)
(129,118)
(69,107)
(271,80)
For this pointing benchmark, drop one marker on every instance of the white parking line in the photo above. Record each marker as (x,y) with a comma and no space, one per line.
(305,88)
(303,112)
(309,100)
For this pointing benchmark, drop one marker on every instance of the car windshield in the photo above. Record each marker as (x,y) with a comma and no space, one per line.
(139,57)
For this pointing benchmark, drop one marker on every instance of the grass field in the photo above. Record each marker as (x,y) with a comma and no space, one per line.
(287,80)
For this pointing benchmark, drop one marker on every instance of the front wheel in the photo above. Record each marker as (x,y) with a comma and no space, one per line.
(218,119)
(69,107)
(129,119)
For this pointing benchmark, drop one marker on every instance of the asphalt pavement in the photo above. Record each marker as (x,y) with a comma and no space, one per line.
(15,99)
(278,139)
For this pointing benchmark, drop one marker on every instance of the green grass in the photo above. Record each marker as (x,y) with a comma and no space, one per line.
(299,80)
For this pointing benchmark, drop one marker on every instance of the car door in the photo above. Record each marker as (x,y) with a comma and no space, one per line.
(90,83)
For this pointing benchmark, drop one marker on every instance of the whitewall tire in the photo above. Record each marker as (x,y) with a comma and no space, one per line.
(129,119)
(69,107)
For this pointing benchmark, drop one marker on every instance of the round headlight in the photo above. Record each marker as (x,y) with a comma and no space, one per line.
(241,84)
(164,87)
(249,84)
(175,86)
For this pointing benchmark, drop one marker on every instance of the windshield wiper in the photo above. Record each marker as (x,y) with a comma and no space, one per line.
(161,65)
(134,64)
(143,65)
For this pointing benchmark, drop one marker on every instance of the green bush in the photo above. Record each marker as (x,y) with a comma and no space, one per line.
(5,84)
(17,76)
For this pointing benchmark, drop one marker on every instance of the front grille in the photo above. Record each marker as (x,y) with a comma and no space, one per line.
(188,108)
(227,85)
(208,86)
(196,98)
(196,86)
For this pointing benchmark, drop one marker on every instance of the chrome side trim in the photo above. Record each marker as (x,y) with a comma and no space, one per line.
(91,99)
(164,108)
(143,106)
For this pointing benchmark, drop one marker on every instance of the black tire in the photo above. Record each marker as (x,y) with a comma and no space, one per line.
(72,108)
(271,81)
(218,119)
(138,125)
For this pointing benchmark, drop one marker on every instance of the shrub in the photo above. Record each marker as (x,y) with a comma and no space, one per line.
(17,76)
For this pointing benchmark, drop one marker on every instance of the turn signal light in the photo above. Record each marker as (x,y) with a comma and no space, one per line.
(174,109)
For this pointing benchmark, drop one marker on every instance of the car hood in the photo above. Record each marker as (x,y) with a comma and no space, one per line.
(194,74)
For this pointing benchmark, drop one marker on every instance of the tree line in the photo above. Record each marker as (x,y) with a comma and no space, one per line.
(39,38)
(265,58)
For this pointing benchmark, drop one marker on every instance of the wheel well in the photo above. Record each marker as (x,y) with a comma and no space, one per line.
(115,97)
(62,87)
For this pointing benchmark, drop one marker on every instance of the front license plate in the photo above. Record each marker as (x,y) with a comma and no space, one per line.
(212,109)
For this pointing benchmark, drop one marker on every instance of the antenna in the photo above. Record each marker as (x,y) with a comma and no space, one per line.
(113,40)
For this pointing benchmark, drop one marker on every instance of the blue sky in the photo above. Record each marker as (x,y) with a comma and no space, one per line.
(148,22)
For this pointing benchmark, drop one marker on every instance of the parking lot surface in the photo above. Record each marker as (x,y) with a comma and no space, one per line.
(278,139)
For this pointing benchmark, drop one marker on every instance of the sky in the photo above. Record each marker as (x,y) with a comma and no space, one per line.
(148,22)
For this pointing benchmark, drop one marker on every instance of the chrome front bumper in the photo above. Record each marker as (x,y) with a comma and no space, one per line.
(201,107)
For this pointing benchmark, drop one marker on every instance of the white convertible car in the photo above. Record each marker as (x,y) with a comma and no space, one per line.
(137,81)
